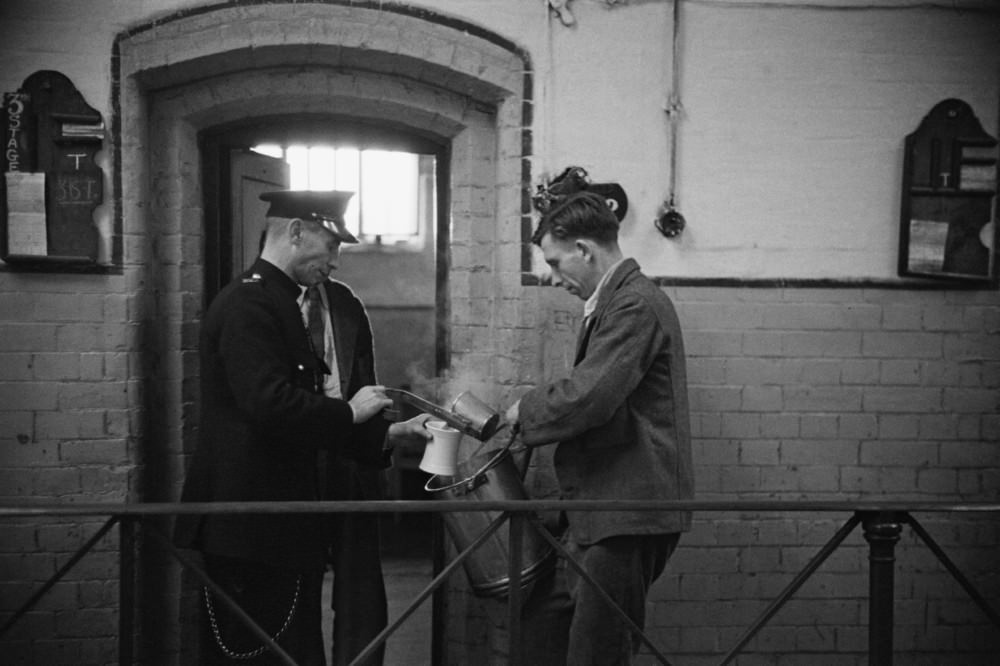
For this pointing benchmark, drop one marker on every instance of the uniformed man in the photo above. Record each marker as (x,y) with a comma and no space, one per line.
(291,410)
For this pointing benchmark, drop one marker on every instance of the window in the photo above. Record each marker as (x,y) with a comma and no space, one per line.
(394,190)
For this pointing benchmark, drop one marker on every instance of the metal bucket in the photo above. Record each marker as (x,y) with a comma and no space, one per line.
(491,476)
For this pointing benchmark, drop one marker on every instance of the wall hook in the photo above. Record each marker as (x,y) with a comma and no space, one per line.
(670,222)
(562,10)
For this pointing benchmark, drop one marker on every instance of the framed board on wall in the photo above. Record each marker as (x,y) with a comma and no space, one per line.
(52,183)
(948,224)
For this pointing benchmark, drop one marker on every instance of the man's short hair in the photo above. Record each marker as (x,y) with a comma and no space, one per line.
(579,215)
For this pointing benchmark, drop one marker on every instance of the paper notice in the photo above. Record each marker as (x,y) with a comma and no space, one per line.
(26,213)
(927,245)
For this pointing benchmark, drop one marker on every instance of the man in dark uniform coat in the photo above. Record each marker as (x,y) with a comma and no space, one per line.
(277,424)
(621,422)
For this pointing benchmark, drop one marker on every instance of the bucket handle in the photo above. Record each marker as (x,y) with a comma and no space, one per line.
(470,482)
(478,478)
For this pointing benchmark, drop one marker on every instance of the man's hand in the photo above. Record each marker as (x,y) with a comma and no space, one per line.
(411,433)
(368,402)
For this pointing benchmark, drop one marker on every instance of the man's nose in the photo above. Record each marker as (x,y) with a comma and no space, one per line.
(556,278)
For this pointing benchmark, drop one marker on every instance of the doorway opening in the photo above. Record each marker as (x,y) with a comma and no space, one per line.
(398,270)
(183,88)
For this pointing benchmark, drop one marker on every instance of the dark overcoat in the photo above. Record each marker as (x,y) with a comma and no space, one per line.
(264,419)
(621,416)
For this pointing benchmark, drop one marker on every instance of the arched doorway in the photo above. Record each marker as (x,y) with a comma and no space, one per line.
(181,79)
(396,280)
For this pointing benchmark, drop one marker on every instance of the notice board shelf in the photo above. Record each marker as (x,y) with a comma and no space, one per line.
(948,228)
(52,184)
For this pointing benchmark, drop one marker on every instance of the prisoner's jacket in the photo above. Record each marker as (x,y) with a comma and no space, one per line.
(621,416)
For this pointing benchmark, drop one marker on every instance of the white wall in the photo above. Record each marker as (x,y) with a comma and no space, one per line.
(792,144)
(790,139)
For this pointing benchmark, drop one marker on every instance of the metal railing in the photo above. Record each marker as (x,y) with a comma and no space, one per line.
(882,523)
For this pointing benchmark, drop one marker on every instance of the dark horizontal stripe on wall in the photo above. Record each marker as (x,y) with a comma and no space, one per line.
(532,280)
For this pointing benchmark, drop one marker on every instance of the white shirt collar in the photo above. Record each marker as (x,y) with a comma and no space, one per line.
(591,304)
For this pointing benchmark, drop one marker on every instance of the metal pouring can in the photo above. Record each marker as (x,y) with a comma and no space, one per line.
(480,416)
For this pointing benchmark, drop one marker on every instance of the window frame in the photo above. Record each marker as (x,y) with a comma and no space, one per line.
(423,184)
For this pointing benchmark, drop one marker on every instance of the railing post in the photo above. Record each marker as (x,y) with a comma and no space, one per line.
(126,590)
(882,531)
(515,530)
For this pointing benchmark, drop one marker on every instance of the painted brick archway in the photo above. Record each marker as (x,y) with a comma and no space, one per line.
(226,64)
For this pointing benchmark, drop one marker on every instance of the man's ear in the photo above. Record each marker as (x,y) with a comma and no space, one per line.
(585,248)
(294,228)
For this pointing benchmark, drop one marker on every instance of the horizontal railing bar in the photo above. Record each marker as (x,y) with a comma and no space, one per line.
(439,506)
(118,511)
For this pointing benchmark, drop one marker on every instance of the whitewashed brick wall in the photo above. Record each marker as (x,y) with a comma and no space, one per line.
(797,392)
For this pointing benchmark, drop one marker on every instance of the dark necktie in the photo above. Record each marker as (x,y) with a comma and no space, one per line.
(316,329)
(317,341)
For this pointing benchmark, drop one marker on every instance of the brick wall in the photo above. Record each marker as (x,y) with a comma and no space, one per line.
(820,393)
(833,393)
(837,394)
(67,437)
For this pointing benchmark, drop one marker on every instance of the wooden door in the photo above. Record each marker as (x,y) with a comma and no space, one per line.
(250,175)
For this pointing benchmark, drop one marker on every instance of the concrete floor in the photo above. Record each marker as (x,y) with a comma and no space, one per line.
(406,563)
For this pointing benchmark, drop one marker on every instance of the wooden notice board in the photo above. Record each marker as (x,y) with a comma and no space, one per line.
(948,224)
(52,183)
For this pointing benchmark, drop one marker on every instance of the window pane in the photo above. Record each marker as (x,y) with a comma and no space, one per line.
(347,177)
(298,163)
(387,186)
(321,168)
(389,193)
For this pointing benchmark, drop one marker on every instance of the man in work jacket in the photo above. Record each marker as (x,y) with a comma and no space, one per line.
(621,422)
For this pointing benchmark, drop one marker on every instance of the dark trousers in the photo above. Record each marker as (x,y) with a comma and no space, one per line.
(359,600)
(283,603)
(566,621)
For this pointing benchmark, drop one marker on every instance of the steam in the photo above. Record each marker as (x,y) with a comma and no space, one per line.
(447,386)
